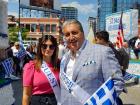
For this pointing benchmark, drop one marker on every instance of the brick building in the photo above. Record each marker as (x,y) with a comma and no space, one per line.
(38,26)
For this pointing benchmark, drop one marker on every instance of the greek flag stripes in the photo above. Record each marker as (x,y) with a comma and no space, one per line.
(128,76)
(20,39)
(21,54)
(8,66)
(105,95)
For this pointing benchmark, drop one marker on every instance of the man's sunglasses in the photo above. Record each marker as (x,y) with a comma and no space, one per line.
(51,47)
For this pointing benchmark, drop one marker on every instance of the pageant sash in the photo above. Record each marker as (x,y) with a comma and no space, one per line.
(52,80)
(72,87)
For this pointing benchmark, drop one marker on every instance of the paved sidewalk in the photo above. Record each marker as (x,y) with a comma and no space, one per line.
(133,95)
(17,88)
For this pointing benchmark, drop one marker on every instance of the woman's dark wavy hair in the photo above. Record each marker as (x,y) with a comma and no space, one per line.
(39,56)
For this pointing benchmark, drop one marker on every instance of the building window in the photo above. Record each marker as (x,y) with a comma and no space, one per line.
(47,27)
(33,27)
(41,27)
(27,26)
(53,28)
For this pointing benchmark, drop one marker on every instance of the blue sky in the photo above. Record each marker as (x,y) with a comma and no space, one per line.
(85,8)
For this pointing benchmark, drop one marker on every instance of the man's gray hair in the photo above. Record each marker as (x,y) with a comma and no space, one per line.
(73,21)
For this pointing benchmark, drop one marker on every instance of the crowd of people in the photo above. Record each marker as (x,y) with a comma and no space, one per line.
(20,57)
(47,67)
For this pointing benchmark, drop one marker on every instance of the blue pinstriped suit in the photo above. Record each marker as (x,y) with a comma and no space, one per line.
(90,76)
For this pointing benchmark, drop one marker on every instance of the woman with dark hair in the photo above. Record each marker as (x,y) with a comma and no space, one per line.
(39,74)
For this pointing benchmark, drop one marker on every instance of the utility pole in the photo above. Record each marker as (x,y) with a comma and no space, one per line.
(19,16)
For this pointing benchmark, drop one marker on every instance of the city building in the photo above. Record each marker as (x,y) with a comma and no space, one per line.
(111,6)
(92,23)
(38,20)
(38,26)
(69,13)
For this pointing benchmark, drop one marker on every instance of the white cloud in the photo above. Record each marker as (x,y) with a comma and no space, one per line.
(21,1)
(13,1)
(26,2)
(83,8)
(14,13)
(57,4)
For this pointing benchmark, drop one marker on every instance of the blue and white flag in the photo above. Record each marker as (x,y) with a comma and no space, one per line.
(105,95)
(129,76)
(20,40)
(21,54)
(8,66)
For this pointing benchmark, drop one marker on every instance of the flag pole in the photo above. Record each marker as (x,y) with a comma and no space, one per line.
(120,36)
(19,15)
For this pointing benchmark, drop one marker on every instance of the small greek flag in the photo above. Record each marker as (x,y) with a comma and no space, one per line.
(8,66)
(20,40)
(128,76)
(105,95)
(21,54)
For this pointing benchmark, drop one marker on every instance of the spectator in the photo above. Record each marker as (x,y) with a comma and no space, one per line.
(36,86)
(137,47)
(87,65)
(62,49)
(121,54)
(16,49)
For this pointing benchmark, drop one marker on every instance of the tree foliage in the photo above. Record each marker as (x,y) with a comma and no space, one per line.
(13,33)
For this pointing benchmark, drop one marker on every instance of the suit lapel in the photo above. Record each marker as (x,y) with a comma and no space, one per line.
(64,62)
(79,62)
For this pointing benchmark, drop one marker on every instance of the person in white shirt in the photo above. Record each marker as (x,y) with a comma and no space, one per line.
(137,47)
(62,49)
(16,60)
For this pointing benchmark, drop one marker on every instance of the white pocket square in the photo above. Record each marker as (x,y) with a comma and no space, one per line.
(88,63)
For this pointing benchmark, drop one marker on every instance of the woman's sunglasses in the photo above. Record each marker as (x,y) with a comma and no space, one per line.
(51,47)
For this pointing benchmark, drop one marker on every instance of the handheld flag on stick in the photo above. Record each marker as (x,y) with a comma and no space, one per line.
(22,51)
(8,66)
(105,95)
(120,37)
(20,40)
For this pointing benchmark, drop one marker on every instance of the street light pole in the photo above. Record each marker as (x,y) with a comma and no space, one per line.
(19,16)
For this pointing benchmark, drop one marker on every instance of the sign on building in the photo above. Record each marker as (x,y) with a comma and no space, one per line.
(129,21)
(42,3)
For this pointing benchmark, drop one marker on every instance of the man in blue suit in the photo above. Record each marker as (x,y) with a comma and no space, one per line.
(87,65)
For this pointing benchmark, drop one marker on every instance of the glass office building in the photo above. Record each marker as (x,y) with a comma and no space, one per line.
(69,13)
(106,7)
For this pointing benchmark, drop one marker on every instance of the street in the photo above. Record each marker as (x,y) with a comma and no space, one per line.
(132,97)
(17,88)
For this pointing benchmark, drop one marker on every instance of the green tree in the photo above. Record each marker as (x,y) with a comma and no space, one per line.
(13,33)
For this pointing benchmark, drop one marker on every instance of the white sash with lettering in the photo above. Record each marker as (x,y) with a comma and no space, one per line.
(52,80)
(71,86)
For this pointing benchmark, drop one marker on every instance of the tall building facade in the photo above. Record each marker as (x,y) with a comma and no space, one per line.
(111,6)
(38,20)
(69,13)
(92,23)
